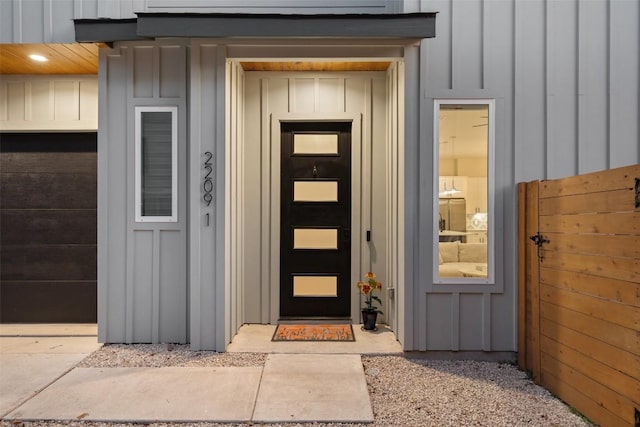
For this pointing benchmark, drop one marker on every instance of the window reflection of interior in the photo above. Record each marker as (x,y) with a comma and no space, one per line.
(463,190)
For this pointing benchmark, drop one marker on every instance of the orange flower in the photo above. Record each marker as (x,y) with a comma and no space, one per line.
(365,288)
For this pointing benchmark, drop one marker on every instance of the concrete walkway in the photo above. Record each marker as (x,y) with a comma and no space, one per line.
(34,356)
(38,383)
(257,339)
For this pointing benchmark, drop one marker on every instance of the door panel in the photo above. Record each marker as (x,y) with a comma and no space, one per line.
(315,241)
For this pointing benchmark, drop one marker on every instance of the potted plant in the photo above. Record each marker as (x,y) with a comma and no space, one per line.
(370,312)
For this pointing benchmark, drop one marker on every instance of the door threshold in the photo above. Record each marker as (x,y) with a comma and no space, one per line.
(314,320)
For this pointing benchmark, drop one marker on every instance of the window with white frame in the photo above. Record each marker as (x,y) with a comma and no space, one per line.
(463,185)
(156,161)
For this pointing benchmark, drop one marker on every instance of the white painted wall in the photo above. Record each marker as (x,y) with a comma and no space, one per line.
(48,103)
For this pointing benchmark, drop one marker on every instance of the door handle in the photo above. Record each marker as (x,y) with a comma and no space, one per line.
(346,235)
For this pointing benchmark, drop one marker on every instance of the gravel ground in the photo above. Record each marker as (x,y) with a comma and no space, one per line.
(404,391)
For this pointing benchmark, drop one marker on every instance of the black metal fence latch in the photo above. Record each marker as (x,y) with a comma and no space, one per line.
(539,239)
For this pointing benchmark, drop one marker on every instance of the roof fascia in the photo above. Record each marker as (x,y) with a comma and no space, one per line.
(217,25)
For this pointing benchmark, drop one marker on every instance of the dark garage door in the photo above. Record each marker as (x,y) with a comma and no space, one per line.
(48,227)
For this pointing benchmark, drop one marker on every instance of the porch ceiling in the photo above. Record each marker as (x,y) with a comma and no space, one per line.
(316,66)
(74,58)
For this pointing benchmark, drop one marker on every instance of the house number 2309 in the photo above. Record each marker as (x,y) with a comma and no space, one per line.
(207,182)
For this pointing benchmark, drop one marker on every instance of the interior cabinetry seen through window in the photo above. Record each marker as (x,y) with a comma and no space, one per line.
(463,172)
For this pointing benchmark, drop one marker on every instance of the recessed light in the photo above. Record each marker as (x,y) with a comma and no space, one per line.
(38,58)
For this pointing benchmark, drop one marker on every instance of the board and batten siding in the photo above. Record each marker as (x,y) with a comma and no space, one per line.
(210,309)
(312,96)
(48,103)
(142,267)
(565,76)
(51,21)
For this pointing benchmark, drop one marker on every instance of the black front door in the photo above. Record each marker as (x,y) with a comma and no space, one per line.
(315,236)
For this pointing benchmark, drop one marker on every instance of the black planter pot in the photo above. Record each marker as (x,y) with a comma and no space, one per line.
(369,320)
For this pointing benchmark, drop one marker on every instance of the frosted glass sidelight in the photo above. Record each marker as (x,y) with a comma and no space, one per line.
(156,163)
(315,286)
(308,143)
(315,191)
(315,238)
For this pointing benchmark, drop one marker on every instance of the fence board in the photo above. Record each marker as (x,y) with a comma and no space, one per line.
(604,353)
(618,268)
(586,406)
(612,312)
(601,287)
(607,223)
(582,296)
(595,244)
(533,280)
(616,201)
(615,179)
(616,335)
(603,396)
(613,379)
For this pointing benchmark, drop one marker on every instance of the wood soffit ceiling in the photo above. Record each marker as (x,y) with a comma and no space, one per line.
(82,58)
(72,58)
(316,66)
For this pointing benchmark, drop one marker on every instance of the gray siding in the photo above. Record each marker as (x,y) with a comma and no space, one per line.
(142,277)
(565,76)
(210,306)
(50,21)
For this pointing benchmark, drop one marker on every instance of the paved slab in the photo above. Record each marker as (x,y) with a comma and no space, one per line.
(313,387)
(51,345)
(48,329)
(23,375)
(29,362)
(146,395)
(257,339)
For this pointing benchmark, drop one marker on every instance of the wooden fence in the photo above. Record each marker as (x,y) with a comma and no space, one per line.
(579,291)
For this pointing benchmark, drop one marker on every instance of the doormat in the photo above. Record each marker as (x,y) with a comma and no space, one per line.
(313,333)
